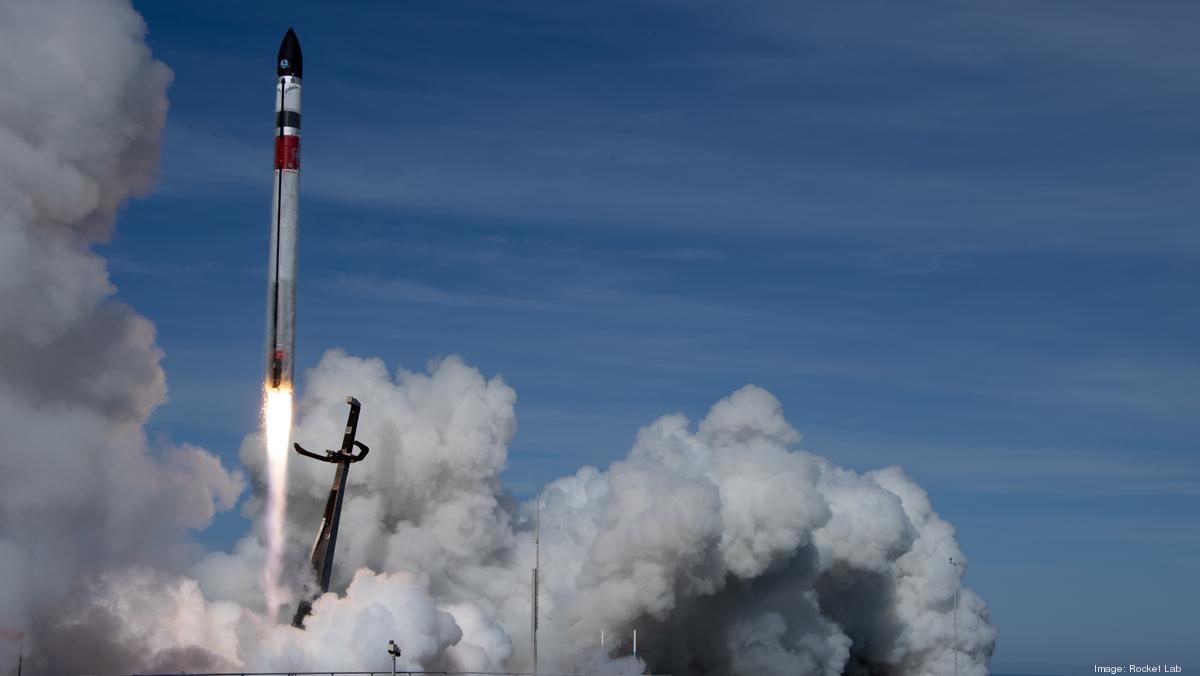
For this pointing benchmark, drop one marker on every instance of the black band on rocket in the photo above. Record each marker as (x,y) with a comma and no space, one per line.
(287,118)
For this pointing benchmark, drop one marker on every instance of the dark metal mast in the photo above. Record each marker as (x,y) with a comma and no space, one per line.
(321,558)
(537,563)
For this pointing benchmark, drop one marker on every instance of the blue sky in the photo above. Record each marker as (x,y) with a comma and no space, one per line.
(957,237)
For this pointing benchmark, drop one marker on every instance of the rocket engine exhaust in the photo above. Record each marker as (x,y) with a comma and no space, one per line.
(277,429)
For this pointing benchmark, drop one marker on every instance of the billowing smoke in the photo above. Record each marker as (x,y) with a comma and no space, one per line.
(81,111)
(726,547)
(729,550)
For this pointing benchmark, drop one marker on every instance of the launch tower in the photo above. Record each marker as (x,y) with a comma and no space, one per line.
(321,558)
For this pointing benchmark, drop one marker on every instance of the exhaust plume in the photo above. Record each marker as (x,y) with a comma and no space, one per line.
(277,429)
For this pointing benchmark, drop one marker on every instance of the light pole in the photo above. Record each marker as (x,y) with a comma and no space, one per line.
(957,583)
(394,651)
(537,562)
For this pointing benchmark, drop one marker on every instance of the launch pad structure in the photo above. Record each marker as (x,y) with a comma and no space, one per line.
(321,558)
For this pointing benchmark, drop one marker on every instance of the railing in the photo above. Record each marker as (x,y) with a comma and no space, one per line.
(385,672)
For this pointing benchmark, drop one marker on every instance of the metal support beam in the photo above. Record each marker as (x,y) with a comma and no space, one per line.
(321,558)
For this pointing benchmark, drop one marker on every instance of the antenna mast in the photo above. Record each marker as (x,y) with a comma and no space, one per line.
(537,562)
(957,583)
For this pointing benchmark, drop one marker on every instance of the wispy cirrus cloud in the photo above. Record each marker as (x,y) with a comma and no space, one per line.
(946,130)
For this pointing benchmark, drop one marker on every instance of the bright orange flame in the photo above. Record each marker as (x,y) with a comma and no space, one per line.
(277,428)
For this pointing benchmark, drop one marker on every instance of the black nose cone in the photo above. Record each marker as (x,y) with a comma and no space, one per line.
(291,60)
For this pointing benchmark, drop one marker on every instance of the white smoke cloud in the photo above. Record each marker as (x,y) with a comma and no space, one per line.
(730,550)
(723,544)
(81,492)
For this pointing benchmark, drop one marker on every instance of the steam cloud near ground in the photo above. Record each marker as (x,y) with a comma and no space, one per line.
(728,549)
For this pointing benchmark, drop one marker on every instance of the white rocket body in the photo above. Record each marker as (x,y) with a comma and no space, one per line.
(281,266)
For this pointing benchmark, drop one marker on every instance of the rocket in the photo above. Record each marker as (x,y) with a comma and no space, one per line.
(281,268)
